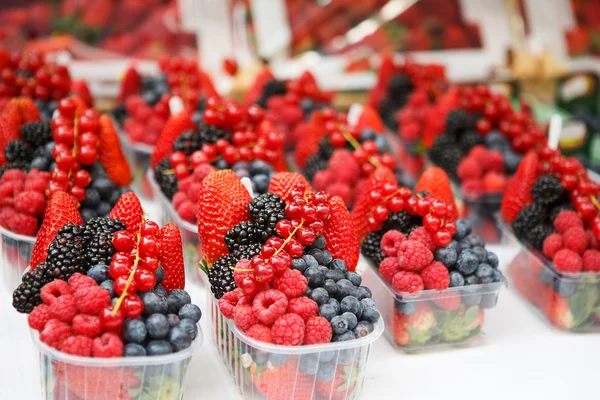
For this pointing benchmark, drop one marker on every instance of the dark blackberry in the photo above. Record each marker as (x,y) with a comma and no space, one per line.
(66,253)
(188,142)
(220,276)
(371,247)
(445,153)
(399,88)
(548,190)
(166,181)
(247,252)
(36,133)
(27,295)
(314,164)
(266,210)
(273,87)
(387,110)
(99,248)
(528,218)
(470,139)
(210,134)
(240,235)
(558,209)
(536,236)
(400,221)
(22,165)
(326,149)
(18,150)
(457,122)
(120,113)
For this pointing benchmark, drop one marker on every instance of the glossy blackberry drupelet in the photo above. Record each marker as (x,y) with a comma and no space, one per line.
(27,295)
(266,210)
(210,134)
(445,153)
(548,190)
(528,218)
(470,139)
(538,234)
(314,164)
(220,276)
(166,181)
(246,252)
(66,253)
(371,247)
(273,87)
(325,149)
(99,249)
(399,88)
(18,151)
(401,221)
(457,122)
(240,235)
(188,142)
(36,133)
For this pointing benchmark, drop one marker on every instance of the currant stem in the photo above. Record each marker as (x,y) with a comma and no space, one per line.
(289,238)
(354,143)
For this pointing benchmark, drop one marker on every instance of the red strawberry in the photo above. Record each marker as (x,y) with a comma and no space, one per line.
(80,88)
(222,203)
(129,210)
(96,383)
(386,70)
(61,210)
(518,192)
(341,386)
(131,83)
(435,181)
(283,382)
(27,110)
(111,156)
(175,126)
(171,257)
(283,182)
(207,86)
(339,233)
(369,119)
(313,134)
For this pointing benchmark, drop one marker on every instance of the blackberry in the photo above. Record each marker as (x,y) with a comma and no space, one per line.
(247,252)
(326,149)
(220,276)
(457,122)
(27,295)
(266,210)
(469,140)
(314,164)
(399,88)
(548,190)
(99,249)
(371,247)
(273,87)
(120,113)
(66,253)
(166,181)
(528,218)
(210,134)
(536,236)
(188,142)
(445,153)
(36,133)
(401,221)
(240,235)
(18,150)
(387,110)
(558,209)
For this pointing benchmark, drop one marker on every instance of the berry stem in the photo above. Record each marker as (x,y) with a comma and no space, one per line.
(354,143)
(289,238)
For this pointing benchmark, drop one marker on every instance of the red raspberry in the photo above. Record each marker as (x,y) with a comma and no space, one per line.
(228,302)
(36,184)
(260,332)
(494,161)
(472,188)
(567,219)
(77,345)
(55,332)
(107,345)
(202,171)
(494,182)
(591,261)
(448,303)
(92,299)
(244,317)
(389,267)
(406,281)
(13,175)
(594,242)
(414,256)
(194,191)
(77,281)
(421,234)
(187,211)
(322,179)
(178,199)
(269,305)
(30,202)
(87,325)
(288,330)
(576,239)
(39,316)
(552,244)
(303,306)
(184,184)
(566,260)
(63,308)
(469,168)
(435,276)
(318,330)
(23,224)
(342,190)
(51,291)
(291,283)
(479,153)
(390,242)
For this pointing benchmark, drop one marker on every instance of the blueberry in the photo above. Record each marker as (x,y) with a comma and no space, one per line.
(339,325)
(260,167)
(346,357)
(318,255)
(320,296)
(154,303)
(498,277)
(454,245)
(157,326)
(363,328)
(471,280)
(135,331)
(87,214)
(446,255)
(484,271)
(327,258)
(492,259)
(307,105)
(351,304)
(363,292)
(240,165)
(331,287)
(134,350)
(190,311)
(48,147)
(406,307)
(323,269)
(108,285)
(104,186)
(564,287)
(456,279)
(309,363)
(308,291)
(345,288)
(259,356)
(348,335)
(310,261)
(160,275)
(150,97)
(336,305)
(327,311)
(354,278)
(511,161)
(489,300)
(180,338)
(382,144)
(177,299)
(319,243)
(103,209)
(261,183)
(99,273)
(335,275)
(351,320)
(277,359)
(463,245)
(221,164)
(41,163)
(370,315)
(327,356)
(367,134)
(338,265)
(326,372)
(160,291)
(158,348)
(463,228)
(189,326)
(314,276)
(114,197)
(173,319)
(471,298)
(467,262)
(475,241)
(299,264)
(480,253)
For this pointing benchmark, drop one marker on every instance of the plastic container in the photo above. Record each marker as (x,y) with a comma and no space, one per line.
(16,254)
(480,213)
(266,371)
(432,319)
(64,376)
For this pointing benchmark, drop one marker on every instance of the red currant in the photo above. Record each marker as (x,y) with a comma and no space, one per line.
(118,269)
(132,306)
(150,228)
(281,262)
(305,236)
(148,246)
(442,238)
(87,155)
(82,178)
(144,280)
(263,271)
(178,158)
(149,263)
(123,241)
(109,321)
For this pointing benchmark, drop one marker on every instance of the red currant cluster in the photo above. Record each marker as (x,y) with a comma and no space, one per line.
(183,77)
(306,215)
(227,114)
(75,133)
(438,217)
(132,269)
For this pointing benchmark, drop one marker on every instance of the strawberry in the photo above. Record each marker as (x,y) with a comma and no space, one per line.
(171,257)
(131,84)
(111,156)
(256,91)
(386,70)
(435,181)
(313,134)
(27,110)
(283,182)
(414,327)
(518,192)
(129,211)
(80,88)
(341,386)
(222,203)
(339,233)
(559,313)
(283,382)
(207,85)
(96,383)
(175,126)
(61,210)
(369,119)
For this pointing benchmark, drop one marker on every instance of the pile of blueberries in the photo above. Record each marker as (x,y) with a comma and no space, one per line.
(101,195)
(259,172)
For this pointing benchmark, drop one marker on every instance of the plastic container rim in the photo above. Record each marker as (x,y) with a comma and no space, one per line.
(16,236)
(147,149)
(167,204)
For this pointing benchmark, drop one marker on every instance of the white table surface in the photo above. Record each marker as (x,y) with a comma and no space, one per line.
(520,357)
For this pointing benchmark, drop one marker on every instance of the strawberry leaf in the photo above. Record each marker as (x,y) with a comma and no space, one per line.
(471,315)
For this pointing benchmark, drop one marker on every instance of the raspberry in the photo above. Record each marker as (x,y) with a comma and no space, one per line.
(342,190)
(552,244)
(479,153)
(269,305)
(303,306)
(567,219)
(51,291)
(194,190)
(78,280)
(87,325)
(494,182)
(414,256)
(187,211)
(576,239)
(435,276)
(288,330)
(36,184)
(318,330)
(23,224)
(77,345)
(260,332)
(469,168)
(390,242)
(594,242)
(107,345)
(591,261)
(55,332)
(202,171)
(38,318)
(291,283)
(228,302)
(322,179)
(13,175)
(406,281)
(472,188)
(566,260)
(389,267)
(494,161)
(30,202)
(63,308)
(92,299)
(178,199)
(244,317)
(421,234)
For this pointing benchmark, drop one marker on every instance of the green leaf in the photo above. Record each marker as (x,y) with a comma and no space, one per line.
(417,336)
(471,315)
(582,303)
(203,265)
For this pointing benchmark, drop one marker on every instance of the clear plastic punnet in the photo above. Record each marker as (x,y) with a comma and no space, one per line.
(69,377)
(138,156)
(432,319)
(16,253)
(266,371)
